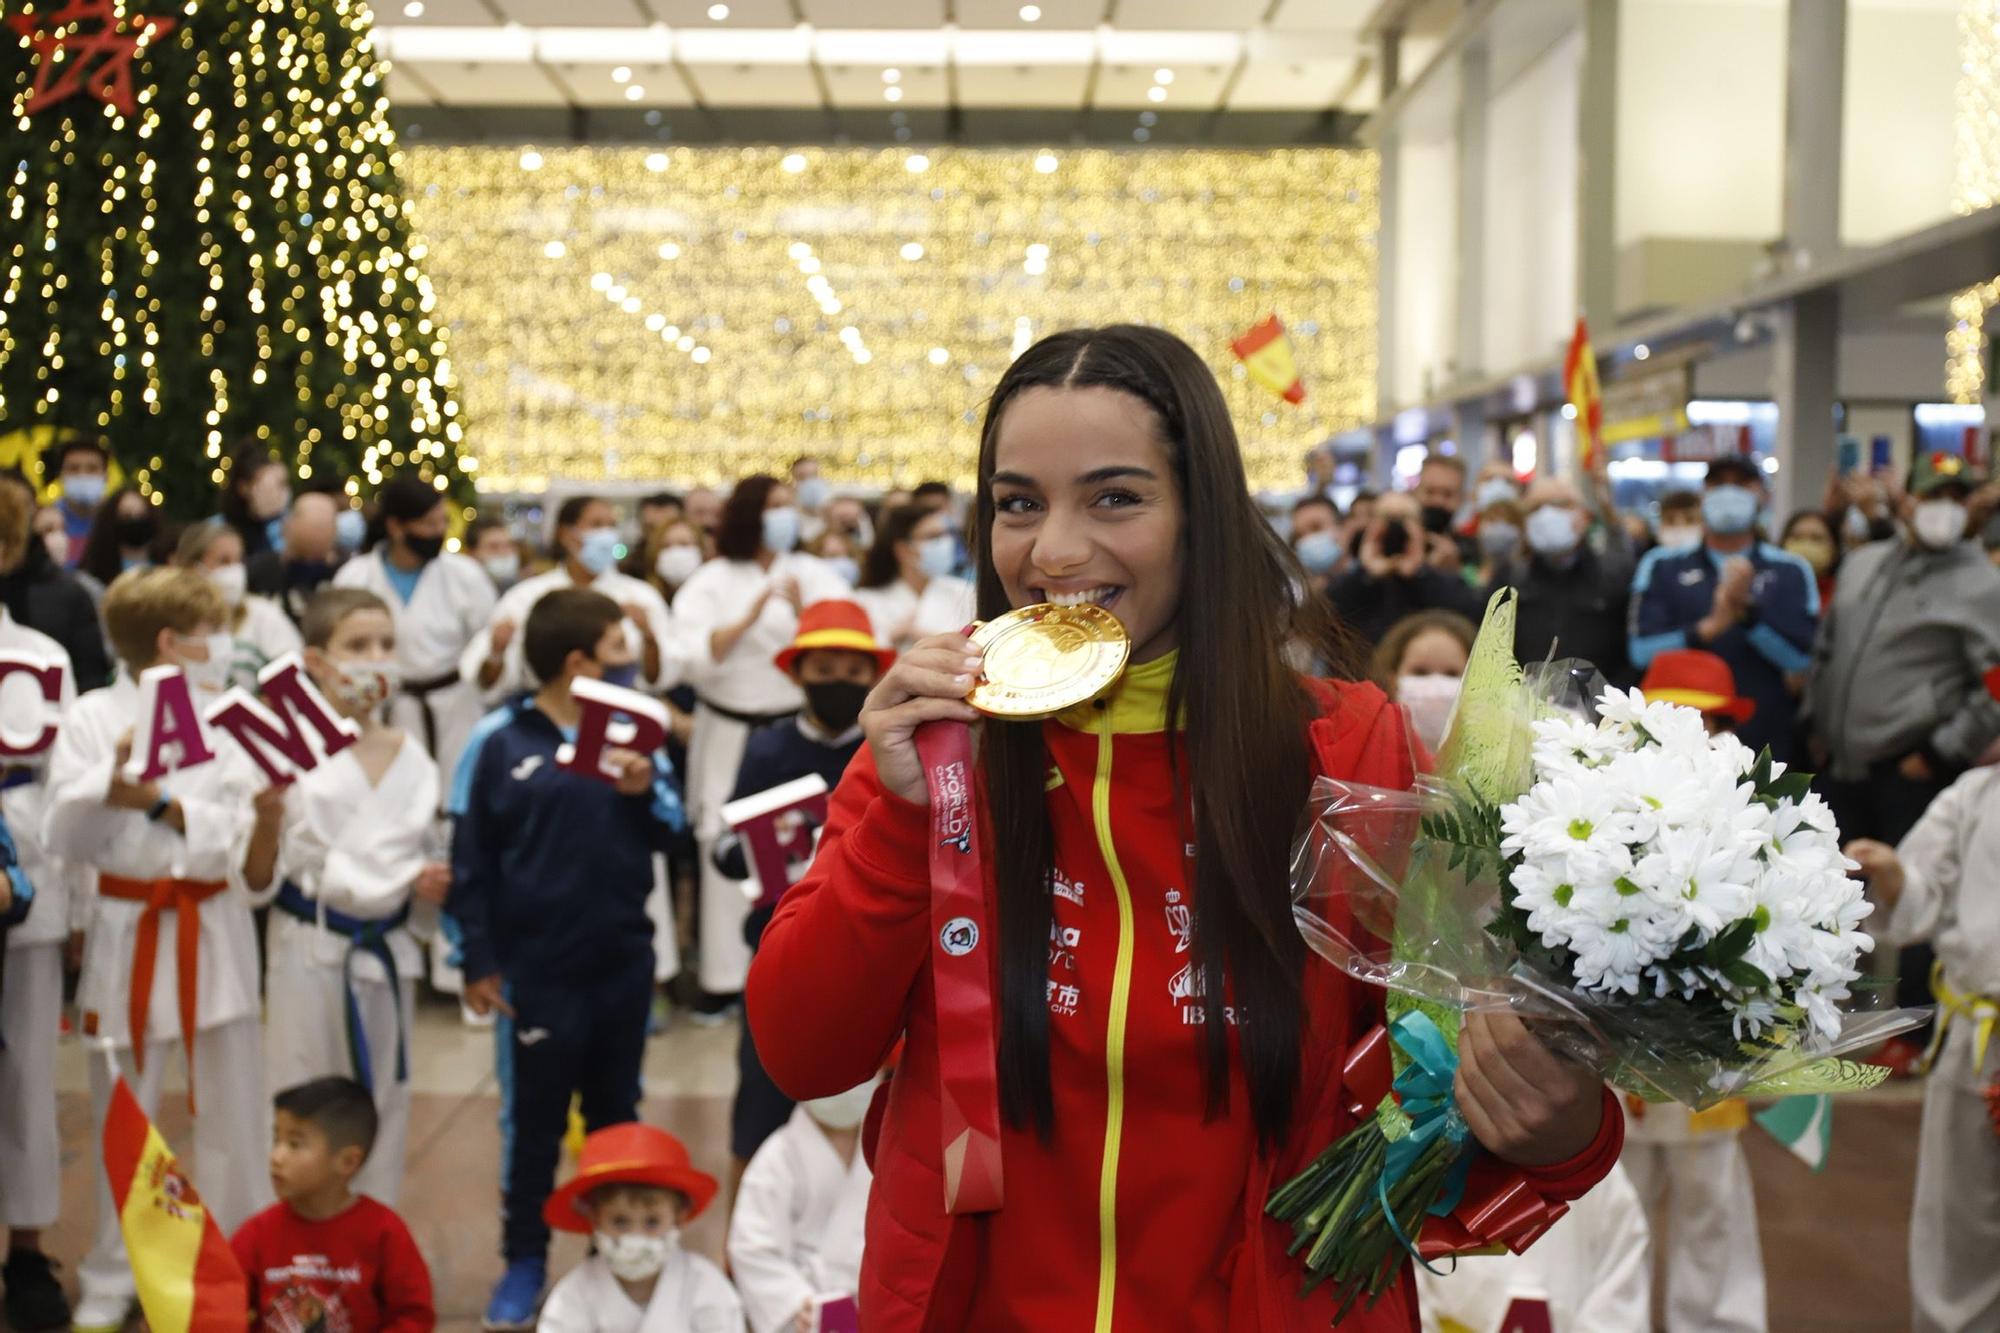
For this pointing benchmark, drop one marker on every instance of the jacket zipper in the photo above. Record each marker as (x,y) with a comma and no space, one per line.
(1114,1036)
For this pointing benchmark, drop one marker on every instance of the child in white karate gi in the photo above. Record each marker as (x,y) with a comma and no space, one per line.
(346,852)
(634,1188)
(795,1235)
(162,853)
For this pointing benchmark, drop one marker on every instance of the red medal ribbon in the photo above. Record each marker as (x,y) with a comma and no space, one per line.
(968,1078)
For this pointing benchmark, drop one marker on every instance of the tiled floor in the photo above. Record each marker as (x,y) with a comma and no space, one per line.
(1833,1242)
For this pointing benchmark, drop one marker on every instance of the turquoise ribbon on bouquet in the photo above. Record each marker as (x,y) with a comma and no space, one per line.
(1423,1091)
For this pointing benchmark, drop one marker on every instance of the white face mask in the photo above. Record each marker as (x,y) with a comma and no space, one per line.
(232,581)
(1429,700)
(1680,536)
(212,676)
(56,543)
(677,564)
(843,1110)
(632,1257)
(362,687)
(1938,523)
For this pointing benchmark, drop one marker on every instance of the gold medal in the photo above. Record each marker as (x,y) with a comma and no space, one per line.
(1040,660)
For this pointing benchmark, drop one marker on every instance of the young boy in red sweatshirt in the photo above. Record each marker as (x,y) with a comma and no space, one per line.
(324,1256)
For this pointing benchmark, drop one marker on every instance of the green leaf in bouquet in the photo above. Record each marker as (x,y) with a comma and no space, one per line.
(1489,747)
(1746,975)
(1730,945)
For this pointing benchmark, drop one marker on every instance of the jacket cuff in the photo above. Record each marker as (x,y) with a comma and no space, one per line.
(1574,1178)
(892,840)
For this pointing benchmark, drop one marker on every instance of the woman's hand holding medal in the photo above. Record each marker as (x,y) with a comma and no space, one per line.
(927,684)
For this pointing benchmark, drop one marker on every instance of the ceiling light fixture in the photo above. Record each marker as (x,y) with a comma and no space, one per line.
(892,76)
(1031,13)
(414,10)
(1163,77)
(892,93)
(633,92)
(1156,94)
(623,74)
(718,12)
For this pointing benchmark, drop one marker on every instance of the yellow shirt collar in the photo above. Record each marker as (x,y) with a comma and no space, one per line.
(1136,701)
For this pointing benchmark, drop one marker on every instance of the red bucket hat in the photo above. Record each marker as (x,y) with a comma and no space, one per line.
(1700,680)
(834,624)
(631,1154)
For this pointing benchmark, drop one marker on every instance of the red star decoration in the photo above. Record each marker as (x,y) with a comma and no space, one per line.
(71,61)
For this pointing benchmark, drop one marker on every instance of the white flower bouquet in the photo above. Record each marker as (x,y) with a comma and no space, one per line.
(1662,904)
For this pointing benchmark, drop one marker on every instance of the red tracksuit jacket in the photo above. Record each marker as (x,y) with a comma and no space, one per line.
(1140,1214)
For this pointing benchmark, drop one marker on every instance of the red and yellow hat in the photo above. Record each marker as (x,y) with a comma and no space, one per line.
(834,624)
(632,1154)
(1700,680)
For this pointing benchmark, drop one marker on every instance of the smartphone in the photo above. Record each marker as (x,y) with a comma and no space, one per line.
(1849,455)
(1878,453)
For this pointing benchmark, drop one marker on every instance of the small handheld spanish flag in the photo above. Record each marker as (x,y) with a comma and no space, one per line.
(187,1277)
(1580,383)
(1266,352)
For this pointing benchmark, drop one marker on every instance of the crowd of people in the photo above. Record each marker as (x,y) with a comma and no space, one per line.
(451,842)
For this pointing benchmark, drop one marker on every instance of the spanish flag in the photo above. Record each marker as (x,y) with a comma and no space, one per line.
(188,1280)
(1580,382)
(1266,352)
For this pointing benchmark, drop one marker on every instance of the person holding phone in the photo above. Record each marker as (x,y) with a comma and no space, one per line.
(1392,575)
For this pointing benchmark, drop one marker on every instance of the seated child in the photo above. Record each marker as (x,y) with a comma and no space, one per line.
(633,1188)
(323,1256)
(795,1235)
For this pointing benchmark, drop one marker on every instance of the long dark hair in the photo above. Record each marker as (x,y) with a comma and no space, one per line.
(1246,770)
(882,568)
(103,556)
(739,534)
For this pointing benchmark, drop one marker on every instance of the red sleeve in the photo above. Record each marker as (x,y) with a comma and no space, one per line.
(403,1286)
(830,986)
(1574,1178)
(244,1245)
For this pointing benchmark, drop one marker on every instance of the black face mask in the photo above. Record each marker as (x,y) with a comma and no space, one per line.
(424,548)
(835,704)
(137,530)
(1437,521)
(308,573)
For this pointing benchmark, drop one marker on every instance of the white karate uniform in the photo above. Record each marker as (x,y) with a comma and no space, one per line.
(1592,1270)
(797,1229)
(264,635)
(234,1121)
(453,601)
(520,600)
(1695,1186)
(31,998)
(1951,898)
(692,1296)
(746,681)
(901,615)
(354,848)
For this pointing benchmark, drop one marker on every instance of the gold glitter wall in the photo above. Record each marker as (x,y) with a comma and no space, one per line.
(694,314)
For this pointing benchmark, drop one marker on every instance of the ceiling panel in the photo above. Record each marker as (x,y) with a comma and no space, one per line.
(1237,15)
(1276,85)
(874,13)
(461,83)
(592,85)
(1056,14)
(447,12)
(1194,87)
(742,13)
(858,86)
(1347,15)
(754,85)
(1022,85)
(405,90)
(574,13)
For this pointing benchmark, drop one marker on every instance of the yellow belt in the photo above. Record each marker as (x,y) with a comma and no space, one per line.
(1982,1011)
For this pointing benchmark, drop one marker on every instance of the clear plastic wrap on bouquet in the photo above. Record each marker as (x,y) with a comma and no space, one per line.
(1403,889)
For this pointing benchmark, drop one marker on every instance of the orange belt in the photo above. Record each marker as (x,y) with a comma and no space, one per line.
(183,897)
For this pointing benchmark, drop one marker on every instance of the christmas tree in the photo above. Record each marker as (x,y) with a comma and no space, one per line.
(208,244)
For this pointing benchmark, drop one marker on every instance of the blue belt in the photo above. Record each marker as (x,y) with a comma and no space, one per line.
(369,937)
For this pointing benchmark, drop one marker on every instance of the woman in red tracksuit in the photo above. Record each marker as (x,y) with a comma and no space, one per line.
(1168,1049)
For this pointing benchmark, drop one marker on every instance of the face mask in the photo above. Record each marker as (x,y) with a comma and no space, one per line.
(57,545)
(212,676)
(1938,523)
(362,687)
(1493,490)
(847,567)
(1552,531)
(83,489)
(1680,536)
(1429,700)
(137,530)
(836,703)
(424,548)
(232,581)
(781,529)
(812,494)
(503,569)
(1854,524)
(1318,551)
(1729,511)
(598,551)
(937,556)
(625,675)
(1498,538)
(350,529)
(1436,521)
(633,1258)
(843,1110)
(1814,551)
(677,564)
